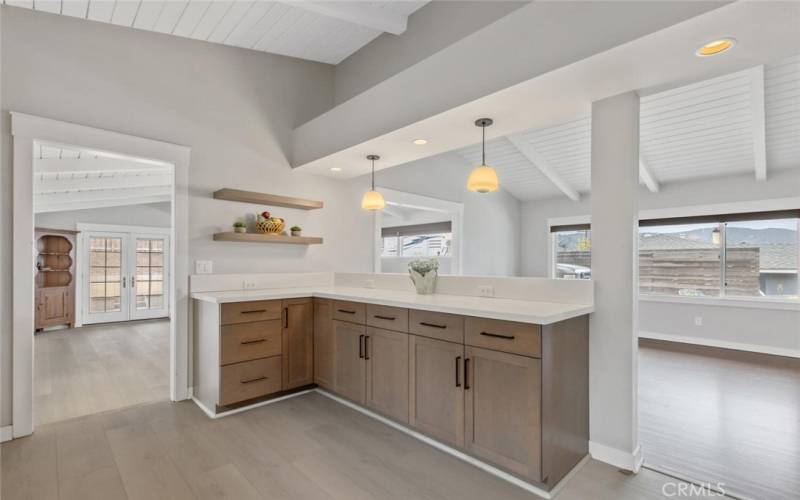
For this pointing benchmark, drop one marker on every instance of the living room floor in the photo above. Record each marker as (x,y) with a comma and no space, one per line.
(721,416)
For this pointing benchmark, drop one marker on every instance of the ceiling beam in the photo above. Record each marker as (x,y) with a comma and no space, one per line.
(759,122)
(526,148)
(647,177)
(360,13)
(60,206)
(74,165)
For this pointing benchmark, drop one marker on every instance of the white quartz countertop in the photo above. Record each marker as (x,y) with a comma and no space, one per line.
(525,311)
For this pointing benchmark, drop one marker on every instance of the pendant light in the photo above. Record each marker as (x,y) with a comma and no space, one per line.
(372,199)
(483,178)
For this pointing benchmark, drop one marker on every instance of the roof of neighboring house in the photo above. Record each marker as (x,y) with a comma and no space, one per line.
(778,257)
(656,241)
(772,256)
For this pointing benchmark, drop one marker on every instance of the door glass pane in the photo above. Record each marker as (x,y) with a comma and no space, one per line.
(105,278)
(149,273)
(681,259)
(761,258)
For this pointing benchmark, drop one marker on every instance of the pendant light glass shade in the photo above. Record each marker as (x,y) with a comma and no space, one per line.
(483,178)
(372,199)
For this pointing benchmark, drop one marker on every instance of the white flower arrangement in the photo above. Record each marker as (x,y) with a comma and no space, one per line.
(423,274)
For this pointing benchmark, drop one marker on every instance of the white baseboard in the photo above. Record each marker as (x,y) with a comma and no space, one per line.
(777,351)
(214,415)
(625,460)
(6,433)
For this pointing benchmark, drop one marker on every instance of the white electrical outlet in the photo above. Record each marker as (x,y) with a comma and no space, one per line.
(698,321)
(486,290)
(203,267)
(248,285)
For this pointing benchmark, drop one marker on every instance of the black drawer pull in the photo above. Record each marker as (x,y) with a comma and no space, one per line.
(387,318)
(361,346)
(497,335)
(250,381)
(254,311)
(254,341)
(432,325)
(345,311)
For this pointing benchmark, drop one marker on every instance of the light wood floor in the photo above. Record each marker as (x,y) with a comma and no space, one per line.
(304,448)
(725,416)
(98,368)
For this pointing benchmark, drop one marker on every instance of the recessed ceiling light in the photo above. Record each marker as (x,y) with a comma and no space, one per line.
(336,169)
(715,47)
(420,142)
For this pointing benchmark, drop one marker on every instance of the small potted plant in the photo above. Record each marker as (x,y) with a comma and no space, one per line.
(296,230)
(239,226)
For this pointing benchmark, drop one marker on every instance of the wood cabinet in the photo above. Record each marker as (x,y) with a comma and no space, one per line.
(436,388)
(386,356)
(298,343)
(323,344)
(503,408)
(55,273)
(350,369)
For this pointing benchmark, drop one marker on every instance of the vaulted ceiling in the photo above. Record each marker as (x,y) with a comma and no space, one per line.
(323,31)
(744,122)
(69,178)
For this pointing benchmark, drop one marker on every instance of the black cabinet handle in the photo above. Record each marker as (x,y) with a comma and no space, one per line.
(387,318)
(466,374)
(345,311)
(250,381)
(361,346)
(254,311)
(458,369)
(498,336)
(254,341)
(433,325)
(366,347)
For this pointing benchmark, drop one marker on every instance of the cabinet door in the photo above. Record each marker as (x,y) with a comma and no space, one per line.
(298,343)
(503,402)
(350,371)
(323,344)
(386,354)
(54,306)
(436,388)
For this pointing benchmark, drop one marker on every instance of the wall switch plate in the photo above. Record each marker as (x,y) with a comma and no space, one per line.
(698,321)
(203,267)
(486,290)
(248,285)
(369,283)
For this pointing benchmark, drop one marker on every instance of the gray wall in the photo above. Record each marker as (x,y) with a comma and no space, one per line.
(430,29)
(767,328)
(235,108)
(150,214)
(492,229)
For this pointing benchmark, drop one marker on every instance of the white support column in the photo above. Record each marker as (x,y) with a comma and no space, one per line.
(759,122)
(613,336)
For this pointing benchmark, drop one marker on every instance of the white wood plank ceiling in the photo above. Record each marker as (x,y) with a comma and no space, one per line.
(745,122)
(323,31)
(79,179)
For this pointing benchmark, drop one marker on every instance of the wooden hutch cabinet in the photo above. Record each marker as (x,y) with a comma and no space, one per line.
(55,277)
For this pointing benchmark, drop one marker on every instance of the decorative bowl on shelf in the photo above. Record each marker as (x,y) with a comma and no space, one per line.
(270,226)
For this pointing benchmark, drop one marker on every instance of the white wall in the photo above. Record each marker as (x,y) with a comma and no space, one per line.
(150,214)
(235,108)
(778,330)
(491,235)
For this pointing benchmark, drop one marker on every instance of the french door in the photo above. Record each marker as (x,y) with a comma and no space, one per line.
(125,276)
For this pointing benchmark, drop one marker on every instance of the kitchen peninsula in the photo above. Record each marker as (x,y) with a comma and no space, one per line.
(501,379)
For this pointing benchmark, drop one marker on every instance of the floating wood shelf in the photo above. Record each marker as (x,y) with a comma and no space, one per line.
(268,238)
(272,200)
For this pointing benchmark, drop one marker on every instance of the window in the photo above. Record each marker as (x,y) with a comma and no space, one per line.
(105,278)
(149,273)
(734,255)
(420,240)
(572,249)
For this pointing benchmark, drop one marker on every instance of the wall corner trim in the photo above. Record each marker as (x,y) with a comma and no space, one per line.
(6,433)
(630,461)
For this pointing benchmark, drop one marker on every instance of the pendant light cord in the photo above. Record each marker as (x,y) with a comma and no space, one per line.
(373,175)
(483,144)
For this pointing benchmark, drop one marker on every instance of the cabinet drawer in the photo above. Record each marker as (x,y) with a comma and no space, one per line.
(249,379)
(390,318)
(506,336)
(247,312)
(247,341)
(354,312)
(436,325)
